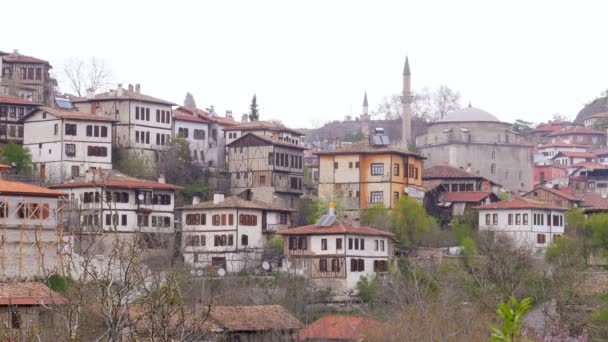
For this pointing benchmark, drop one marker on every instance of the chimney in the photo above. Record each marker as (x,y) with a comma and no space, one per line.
(196,200)
(244,118)
(229,114)
(218,198)
(130,87)
(90,175)
(15,51)
(137,88)
(119,89)
(161,179)
(90,93)
(332,209)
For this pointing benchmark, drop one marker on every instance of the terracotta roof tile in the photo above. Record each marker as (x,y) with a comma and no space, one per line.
(234,202)
(575,154)
(28,293)
(19,58)
(115,179)
(270,140)
(126,95)
(445,172)
(18,188)
(263,125)
(191,118)
(17,101)
(590,165)
(598,116)
(575,130)
(254,318)
(520,203)
(566,194)
(560,144)
(547,128)
(333,327)
(205,115)
(466,196)
(69,114)
(336,228)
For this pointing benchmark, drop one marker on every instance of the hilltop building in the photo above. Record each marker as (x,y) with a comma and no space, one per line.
(12,110)
(26,77)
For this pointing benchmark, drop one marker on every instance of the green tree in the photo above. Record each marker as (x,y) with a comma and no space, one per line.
(254,114)
(356,137)
(409,220)
(464,225)
(18,157)
(377,217)
(512,315)
(177,163)
(315,211)
(598,225)
(522,127)
(132,164)
(367,288)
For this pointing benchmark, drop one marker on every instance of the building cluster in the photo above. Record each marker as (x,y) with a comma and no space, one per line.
(468,160)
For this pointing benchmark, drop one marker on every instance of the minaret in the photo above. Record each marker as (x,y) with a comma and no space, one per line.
(365,107)
(365,118)
(406,100)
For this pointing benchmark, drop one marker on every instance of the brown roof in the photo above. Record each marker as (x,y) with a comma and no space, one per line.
(254,318)
(446,171)
(561,144)
(115,179)
(205,115)
(28,293)
(19,58)
(336,228)
(126,95)
(18,188)
(566,194)
(575,154)
(575,130)
(365,148)
(191,118)
(547,128)
(334,327)
(263,126)
(431,184)
(234,202)
(270,140)
(590,165)
(465,196)
(598,116)
(520,203)
(594,200)
(68,114)
(18,101)
(4,167)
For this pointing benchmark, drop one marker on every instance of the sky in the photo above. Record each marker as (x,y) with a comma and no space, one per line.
(310,62)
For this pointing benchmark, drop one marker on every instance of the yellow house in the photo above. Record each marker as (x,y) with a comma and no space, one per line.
(361,175)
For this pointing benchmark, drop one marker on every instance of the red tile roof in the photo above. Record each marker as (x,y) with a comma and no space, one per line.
(590,165)
(365,148)
(561,144)
(115,179)
(19,58)
(336,228)
(575,130)
(466,196)
(270,140)
(575,154)
(598,116)
(4,167)
(234,202)
(18,188)
(254,318)
(520,203)
(17,101)
(445,172)
(263,126)
(191,118)
(547,128)
(126,95)
(334,327)
(205,115)
(28,293)
(69,114)
(594,200)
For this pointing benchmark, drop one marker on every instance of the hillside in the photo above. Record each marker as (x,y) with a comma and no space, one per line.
(599,105)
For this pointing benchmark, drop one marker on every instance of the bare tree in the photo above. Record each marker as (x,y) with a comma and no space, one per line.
(445,100)
(428,105)
(80,76)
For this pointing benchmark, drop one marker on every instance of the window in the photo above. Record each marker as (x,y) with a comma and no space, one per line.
(377,169)
(525,219)
(70,150)
(376,197)
(379,265)
(323,265)
(556,221)
(382,245)
(123,220)
(493,169)
(376,245)
(540,238)
(3,209)
(297,242)
(199,134)
(517,218)
(510,219)
(70,129)
(193,240)
(323,244)
(350,243)
(396,169)
(136,113)
(147,114)
(75,169)
(339,243)
(38,74)
(244,240)
(97,151)
(350,165)
(230,219)
(193,219)
(262,180)
(493,155)
(396,196)
(15,319)
(335,165)
(488,218)
(335,265)
(142,220)
(356,244)
(283,218)
(104,131)
(357,265)
(357,164)
(56,129)
(495,219)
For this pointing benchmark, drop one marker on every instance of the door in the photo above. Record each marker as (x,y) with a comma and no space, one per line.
(43,171)
(264,223)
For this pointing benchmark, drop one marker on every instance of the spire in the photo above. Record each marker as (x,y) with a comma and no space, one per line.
(365,99)
(406,67)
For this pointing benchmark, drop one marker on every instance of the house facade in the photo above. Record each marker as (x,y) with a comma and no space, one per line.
(578,135)
(109,201)
(529,223)
(229,233)
(543,154)
(12,110)
(572,158)
(65,144)
(558,197)
(26,77)
(549,173)
(271,168)
(336,255)
(144,123)
(275,130)
(30,238)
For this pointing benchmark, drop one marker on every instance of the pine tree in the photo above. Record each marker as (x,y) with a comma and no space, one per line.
(189,101)
(254,114)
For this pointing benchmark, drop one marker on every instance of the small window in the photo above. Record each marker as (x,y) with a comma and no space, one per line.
(517,218)
(339,243)
(377,169)
(323,265)
(244,240)
(396,169)
(376,197)
(324,244)
(335,165)
(495,219)
(540,238)
(396,196)
(488,219)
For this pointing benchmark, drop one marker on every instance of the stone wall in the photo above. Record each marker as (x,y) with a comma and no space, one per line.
(596,282)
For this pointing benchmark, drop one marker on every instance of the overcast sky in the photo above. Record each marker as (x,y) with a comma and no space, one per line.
(310,61)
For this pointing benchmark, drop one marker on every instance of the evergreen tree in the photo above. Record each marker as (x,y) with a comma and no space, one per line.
(254,114)
(18,157)
(189,101)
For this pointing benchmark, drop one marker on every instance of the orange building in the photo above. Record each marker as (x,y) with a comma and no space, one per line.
(360,175)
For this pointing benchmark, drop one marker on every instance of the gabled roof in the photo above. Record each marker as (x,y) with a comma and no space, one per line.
(565,194)
(603,115)
(365,148)
(561,144)
(18,101)
(547,128)
(263,126)
(18,188)
(575,130)
(68,114)
(115,179)
(234,202)
(126,95)
(519,203)
(254,318)
(446,172)
(28,293)
(336,228)
(269,140)
(190,118)
(592,200)
(466,196)
(205,115)
(16,57)
(575,154)
(335,327)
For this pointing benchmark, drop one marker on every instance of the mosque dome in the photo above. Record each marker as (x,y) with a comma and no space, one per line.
(469,114)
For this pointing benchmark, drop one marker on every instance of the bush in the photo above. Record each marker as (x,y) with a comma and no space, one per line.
(368,289)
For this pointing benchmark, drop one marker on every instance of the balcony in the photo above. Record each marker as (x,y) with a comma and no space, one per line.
(288,190)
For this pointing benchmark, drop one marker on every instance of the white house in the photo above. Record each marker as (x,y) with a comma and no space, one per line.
(65,143)
(571,158)
(229,233)
(336,255)
(30,234)
(144,122)
(544,153)
(271,129)
(530,223)
(111,201)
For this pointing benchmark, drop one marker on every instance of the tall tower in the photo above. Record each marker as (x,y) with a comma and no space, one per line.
(406,101)
(365,118)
